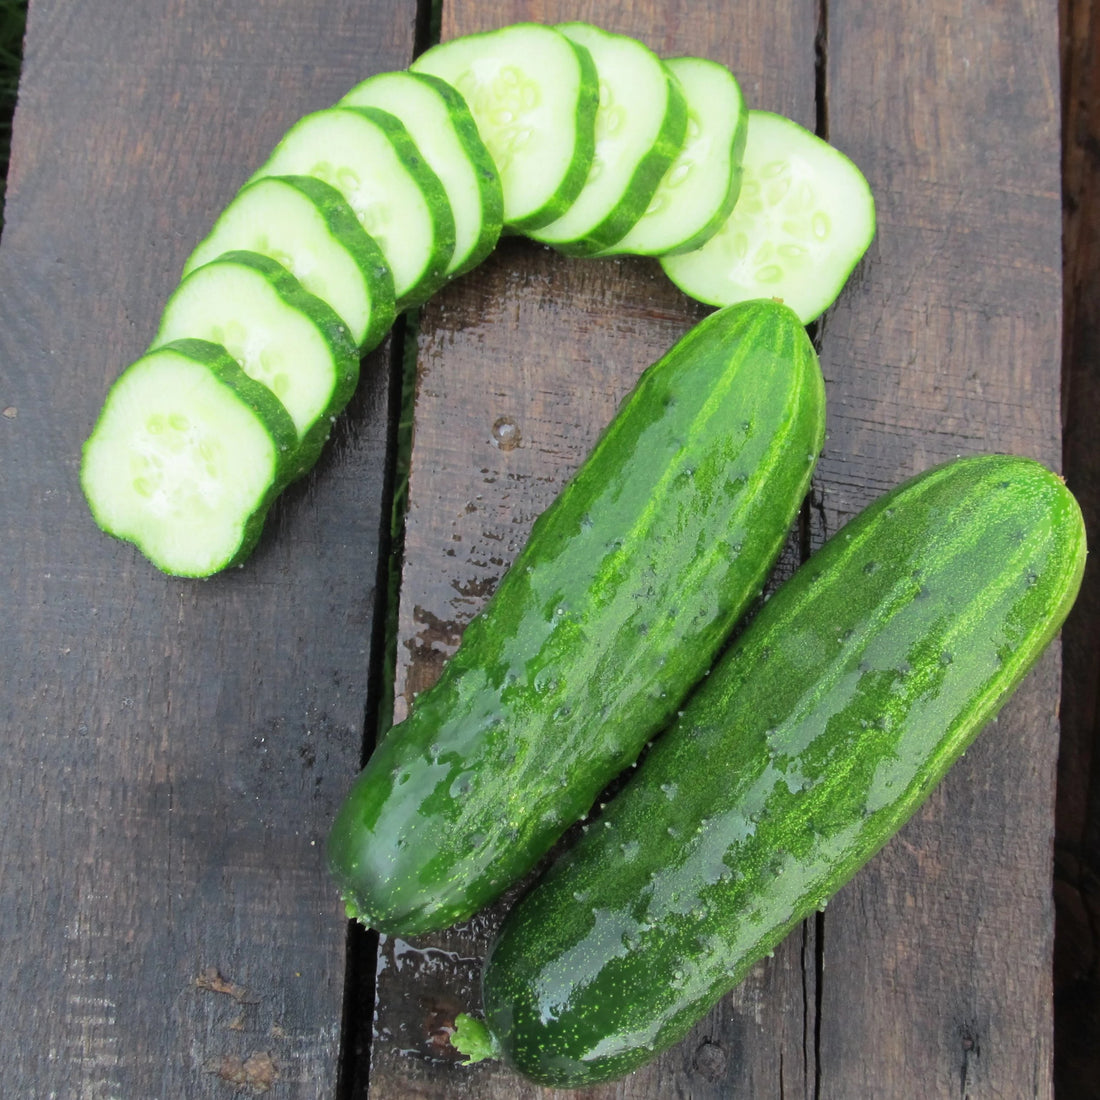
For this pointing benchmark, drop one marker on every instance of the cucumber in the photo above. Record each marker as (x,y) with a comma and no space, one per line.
(306,225)
(804,218)
(533,93)
(185,458)
(640,126)
(812,741)
(611,612)
(283,336)
(697,194)
(440,123)
(369,157)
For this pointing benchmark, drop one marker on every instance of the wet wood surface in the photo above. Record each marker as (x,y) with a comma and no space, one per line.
(173,750)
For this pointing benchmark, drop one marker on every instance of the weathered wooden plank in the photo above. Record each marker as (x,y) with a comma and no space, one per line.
(520,366)
(937,957)
(1077,839)
(173,750)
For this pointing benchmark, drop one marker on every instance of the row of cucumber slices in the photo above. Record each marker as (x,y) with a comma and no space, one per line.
(573,136)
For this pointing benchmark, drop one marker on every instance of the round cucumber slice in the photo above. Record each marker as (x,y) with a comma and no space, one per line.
(440,123)
(186,457)
(533,94)
(369,157)
(698,192)
(803,220)
(307,226)
(640,126)
(280,334)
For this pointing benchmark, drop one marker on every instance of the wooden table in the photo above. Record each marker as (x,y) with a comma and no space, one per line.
(174,750)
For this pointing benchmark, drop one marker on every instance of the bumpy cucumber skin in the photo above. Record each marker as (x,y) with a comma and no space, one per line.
(268,410)
(333,330)
(808,746)
(614,609)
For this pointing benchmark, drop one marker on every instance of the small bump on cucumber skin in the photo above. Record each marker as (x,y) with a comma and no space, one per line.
(626,588)
(833,716)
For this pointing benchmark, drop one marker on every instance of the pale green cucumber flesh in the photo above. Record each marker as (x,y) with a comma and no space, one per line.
(640,125)
(698,192)
(533,94)
(815,737)
(281,335)
(804,218)
(369,157)
(611,612)
(440,123)
(185,458)
(306,225)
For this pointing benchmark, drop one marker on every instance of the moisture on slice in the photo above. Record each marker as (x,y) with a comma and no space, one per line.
(440,123)
(698,192)
(307,226)
(369,157)
(640,125)
(186,457)
(279,333)
(533,94)
(803,220)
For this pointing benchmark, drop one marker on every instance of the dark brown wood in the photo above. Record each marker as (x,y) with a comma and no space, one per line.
(173,750)
(937,956)
(1077,838)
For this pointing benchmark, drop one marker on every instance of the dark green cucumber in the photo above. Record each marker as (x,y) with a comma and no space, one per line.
(817,735)
(613,610)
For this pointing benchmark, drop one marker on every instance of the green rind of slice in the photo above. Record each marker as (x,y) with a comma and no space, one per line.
(278,332)
(186,457)
(307,226)
(639,129)
(533,94)
(369,157)
(803,220)
(698,192)
(440,123)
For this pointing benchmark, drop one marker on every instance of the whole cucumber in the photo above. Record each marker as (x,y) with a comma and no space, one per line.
(629,583)
(812,741)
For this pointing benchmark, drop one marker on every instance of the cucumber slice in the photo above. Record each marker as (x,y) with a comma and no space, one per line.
(640,126)
(307,226)
(185,458)
(440,123)
(283,336)
(369,157)
(803,220)
(698,192)
(533,94)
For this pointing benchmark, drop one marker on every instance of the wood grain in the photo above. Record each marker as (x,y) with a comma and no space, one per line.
(1077,838)
(173,750)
